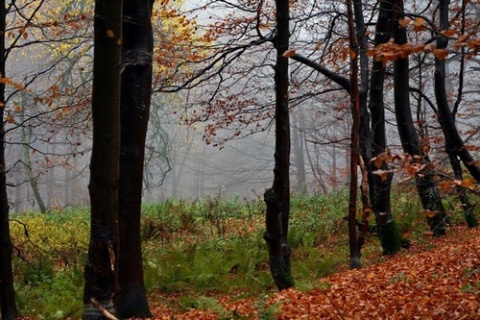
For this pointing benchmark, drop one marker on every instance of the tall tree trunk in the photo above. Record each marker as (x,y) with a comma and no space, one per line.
(365,132)
(426,186)
(298,147)
(26,134)
(135,108)
(454,145)
(381,187)
(8,307)
(277,197)
(360,33)
(101,268)
(355,142)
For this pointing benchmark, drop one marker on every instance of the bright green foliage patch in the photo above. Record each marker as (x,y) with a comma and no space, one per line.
(50,251)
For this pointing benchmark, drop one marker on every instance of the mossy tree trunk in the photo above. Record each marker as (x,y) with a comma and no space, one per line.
(426,186)
(8,307)
(101,268)
(136,85)
(277,197)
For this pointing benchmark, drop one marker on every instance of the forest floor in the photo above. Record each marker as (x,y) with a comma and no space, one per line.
(433,279)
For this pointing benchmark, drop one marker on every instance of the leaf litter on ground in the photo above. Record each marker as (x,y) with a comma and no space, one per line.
(438,278)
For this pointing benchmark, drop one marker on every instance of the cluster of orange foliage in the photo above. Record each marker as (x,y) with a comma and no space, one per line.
(391,51)
(422,283)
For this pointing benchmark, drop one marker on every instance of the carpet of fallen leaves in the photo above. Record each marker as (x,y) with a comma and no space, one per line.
(437,279)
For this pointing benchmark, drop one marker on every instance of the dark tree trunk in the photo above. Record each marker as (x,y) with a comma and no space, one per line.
(135,108)
(380,188)
(355,143)
(277,197)
(462,195)
(365,131)
(453,143)
(8,307)
(426,186)
(101,268)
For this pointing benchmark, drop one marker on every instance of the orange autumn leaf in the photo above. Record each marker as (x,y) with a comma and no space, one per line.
(468,183)
(418,48)
(462,38)
(448,33)
(9,118)
(440,54)
(429,213)
(404,22)
(419,24)
(110,33)
(383,174)
(377,162)
(411,170)
(289,53)
(474,43)
(391,56)
(444,185)
(371,52)
(353,54)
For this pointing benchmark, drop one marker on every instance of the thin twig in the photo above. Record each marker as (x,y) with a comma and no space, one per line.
(340,314)
(104,311)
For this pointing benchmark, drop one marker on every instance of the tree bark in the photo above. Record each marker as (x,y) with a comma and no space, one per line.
(454,145)
(136,86)
(381,188)
(101,268)
(277,197)
(8,307)
(426,186)
(355,142)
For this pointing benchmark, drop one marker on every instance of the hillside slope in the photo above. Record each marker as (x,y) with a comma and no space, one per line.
(439,279)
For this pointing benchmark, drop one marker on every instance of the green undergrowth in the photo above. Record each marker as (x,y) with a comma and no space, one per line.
(196,249)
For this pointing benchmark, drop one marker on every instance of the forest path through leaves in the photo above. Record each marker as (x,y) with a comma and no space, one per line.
(435,279)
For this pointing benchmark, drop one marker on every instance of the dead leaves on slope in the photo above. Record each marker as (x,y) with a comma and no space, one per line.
(442,283)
